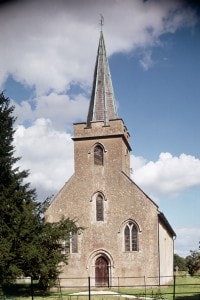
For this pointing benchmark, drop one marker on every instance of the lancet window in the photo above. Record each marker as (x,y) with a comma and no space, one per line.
(131,237)
(98,155)
(99,208)
(71,245)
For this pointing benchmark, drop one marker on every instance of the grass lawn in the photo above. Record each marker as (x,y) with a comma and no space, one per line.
(187,288)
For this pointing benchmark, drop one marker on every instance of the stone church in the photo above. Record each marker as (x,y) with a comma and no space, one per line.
(126,239)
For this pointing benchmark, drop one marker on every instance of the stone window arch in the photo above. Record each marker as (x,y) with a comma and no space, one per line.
(98,155)
(131,236)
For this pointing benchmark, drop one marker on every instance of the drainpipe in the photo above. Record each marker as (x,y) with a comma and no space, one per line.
(158,253)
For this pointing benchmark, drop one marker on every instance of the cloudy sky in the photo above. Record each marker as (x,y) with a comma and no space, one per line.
(47,57)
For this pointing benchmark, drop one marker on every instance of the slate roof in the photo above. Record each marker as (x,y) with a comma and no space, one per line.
(165,222)
(102,103)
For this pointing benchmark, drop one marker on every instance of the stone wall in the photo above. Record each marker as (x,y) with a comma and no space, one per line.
(123,201)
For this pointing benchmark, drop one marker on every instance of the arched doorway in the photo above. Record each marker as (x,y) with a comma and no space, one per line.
(101,271)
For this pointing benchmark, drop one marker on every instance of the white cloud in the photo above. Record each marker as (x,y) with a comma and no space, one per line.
(169,175)
(48,44)
(23,111)
(137,162)
(146,61)
(59,108)
(47,153)
(187,239)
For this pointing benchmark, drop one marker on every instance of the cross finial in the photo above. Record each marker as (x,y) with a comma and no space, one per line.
(101,21)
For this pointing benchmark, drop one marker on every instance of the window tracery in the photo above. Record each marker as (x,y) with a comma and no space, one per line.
(131,237)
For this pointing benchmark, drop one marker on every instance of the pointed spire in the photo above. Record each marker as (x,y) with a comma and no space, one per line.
(102,103)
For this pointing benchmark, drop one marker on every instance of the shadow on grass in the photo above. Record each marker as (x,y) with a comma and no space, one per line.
(24,290)
(189,297)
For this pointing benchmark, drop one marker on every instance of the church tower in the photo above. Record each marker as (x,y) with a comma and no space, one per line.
(103,128)
(126,238)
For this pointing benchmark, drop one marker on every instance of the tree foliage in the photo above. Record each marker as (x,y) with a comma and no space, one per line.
(193,262)
(180,262)
(29,246)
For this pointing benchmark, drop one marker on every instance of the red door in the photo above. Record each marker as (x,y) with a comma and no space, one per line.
(101,272)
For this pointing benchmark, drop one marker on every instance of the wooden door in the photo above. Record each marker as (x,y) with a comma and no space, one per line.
(101,272)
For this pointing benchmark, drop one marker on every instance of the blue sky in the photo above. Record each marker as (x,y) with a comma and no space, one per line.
(47,58)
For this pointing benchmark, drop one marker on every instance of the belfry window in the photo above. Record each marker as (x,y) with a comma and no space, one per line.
(131,237)
(99,208)
(98,155)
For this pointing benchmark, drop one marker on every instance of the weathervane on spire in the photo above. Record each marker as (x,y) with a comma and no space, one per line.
(101,21)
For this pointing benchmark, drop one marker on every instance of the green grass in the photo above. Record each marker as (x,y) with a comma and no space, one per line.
(187,287)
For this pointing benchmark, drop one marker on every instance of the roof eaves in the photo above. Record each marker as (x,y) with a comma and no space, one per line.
(166,223)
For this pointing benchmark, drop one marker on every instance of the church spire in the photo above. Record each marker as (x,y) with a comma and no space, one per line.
(102,103)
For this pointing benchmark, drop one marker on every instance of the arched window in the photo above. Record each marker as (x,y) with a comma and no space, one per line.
(99,208)
(74,243)
(98,155)
(71,245)
(131,237)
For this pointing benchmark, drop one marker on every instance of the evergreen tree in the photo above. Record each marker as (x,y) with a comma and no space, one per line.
(28,245)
